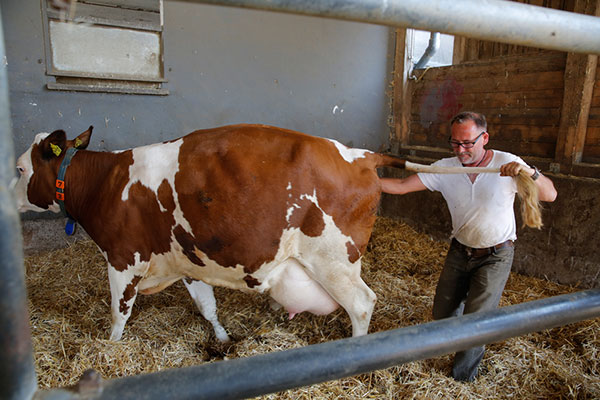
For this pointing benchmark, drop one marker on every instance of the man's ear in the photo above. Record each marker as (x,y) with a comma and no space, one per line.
(486,138)
(82,141)
(54,144)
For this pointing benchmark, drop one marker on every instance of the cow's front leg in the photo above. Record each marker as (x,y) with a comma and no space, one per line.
(123,291)
(204,298)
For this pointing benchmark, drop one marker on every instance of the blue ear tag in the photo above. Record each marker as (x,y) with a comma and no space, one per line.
(70,227)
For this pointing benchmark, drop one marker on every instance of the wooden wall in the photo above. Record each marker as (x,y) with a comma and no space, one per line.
(542,105)
(520,95)
(591,149)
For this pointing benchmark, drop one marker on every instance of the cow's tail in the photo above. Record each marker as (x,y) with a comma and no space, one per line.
(388,160)
(530,202)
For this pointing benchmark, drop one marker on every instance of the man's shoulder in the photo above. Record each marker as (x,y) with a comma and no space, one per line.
(505,157)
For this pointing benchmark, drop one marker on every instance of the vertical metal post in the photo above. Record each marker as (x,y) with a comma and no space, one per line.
(17,372)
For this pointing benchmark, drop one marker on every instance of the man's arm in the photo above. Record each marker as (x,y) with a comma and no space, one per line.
(402,186)
(546,190)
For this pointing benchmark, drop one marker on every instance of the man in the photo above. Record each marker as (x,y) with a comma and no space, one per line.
(483,225)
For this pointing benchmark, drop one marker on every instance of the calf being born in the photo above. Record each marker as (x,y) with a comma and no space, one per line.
(249,207)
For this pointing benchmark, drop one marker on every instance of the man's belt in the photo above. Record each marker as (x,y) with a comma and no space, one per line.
(476,253)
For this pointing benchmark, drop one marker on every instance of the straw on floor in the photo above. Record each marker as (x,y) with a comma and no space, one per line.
(69,305)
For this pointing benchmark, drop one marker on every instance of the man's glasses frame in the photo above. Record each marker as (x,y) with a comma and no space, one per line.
(466,145)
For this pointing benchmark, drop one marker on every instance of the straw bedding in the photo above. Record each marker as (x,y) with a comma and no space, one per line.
(69,303)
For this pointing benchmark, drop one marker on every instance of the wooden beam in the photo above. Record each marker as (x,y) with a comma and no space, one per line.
(579,79)
(460,47)
(402,87)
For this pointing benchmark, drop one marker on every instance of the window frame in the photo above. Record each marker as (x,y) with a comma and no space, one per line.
(136,15)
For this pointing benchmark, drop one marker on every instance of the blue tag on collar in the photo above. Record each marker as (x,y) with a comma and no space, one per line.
(70,227)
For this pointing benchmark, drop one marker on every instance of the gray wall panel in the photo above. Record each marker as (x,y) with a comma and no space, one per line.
(223,65)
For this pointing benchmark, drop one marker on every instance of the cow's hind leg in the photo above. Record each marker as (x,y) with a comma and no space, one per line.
(204,298)
(123,291)
(343,282)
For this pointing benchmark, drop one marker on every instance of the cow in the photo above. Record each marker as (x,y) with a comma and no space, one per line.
(248,207)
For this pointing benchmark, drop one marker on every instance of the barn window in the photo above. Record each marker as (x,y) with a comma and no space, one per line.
(105,46)
(442,55)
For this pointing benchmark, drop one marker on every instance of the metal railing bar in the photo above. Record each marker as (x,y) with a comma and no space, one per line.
(274,372)
(494,20)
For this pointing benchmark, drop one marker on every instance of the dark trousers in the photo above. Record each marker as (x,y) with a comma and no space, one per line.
(466,285)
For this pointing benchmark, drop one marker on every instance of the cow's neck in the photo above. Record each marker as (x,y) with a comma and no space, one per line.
(87,181)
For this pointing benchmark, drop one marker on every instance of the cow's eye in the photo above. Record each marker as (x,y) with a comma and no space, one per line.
(21,170)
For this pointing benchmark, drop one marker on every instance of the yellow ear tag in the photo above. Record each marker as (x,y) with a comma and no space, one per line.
(55,149)
(77,142)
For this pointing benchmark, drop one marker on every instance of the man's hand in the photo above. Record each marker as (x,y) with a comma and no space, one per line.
(546,190)
(513,168)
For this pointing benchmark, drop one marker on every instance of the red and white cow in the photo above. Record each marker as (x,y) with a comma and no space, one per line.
(248,207)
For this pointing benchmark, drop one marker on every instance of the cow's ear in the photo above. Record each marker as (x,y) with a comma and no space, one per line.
(83,140)
(54,144)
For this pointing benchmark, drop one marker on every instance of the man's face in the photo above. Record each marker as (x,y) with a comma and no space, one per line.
(465,134)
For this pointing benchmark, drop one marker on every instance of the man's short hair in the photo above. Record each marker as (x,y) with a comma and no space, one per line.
(477,118)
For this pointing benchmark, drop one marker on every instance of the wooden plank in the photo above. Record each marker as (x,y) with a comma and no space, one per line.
(486,49)
(421,139)
(592,137)
(556,4)
(569,5)
(580,74)
(402,93)
(592,154)
(499,67)
(520,82)
(586,170)
(527,117)
(107,89)
(436,135)
(539,3)
(472,49)
(459,55)
(543,117)
(441,106)
(479,51)
(111,16)
(148,5)
(594,119)
(500,50)
(537,134)
(550,98)
(545,150)
(535,80)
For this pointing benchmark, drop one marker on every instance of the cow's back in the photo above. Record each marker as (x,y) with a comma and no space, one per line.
(241,186)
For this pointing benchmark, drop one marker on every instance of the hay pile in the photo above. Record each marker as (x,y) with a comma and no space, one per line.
(70,319)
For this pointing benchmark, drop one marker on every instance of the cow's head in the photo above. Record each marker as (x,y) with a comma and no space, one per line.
(38,169)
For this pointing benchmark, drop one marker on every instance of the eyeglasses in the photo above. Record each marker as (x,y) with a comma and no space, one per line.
(466,145)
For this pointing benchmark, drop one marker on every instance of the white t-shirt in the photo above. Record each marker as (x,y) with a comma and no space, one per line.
(482,211)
